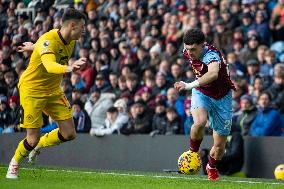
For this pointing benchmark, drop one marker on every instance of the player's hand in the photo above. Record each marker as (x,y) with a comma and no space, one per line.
(26,46)
(180,85)
(76,65)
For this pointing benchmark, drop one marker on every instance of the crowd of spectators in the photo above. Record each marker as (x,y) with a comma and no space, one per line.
(134,52)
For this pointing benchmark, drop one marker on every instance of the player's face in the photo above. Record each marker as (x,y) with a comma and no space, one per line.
(78,29)
(194,51)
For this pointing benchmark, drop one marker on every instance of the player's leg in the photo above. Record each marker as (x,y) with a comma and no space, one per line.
(220,119)
(31,119)
(216,153)
(60,110)
(199,110)
(22,151)
(197,129)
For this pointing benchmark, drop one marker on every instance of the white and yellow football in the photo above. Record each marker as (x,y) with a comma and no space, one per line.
(189,163)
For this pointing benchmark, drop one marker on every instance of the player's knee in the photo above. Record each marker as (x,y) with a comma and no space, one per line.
(33,141)
(200,123)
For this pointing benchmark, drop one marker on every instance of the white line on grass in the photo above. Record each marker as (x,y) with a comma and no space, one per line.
(157,176)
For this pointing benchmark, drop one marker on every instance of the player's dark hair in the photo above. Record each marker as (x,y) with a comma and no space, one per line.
(193,36)
(73,14)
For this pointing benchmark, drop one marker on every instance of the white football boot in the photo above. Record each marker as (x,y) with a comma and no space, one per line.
(13,170)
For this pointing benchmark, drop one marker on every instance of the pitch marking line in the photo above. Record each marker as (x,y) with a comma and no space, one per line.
(156,176)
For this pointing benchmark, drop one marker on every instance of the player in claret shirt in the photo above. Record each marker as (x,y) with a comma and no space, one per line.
(211,96)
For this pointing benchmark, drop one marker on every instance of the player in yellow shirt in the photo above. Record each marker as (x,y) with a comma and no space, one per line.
(40,90)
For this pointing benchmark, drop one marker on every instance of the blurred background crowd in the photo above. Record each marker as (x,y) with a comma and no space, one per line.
(134,52)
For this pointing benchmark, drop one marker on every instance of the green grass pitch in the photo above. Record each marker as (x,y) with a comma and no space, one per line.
(52,178)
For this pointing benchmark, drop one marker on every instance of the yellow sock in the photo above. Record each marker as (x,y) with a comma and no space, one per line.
(22,151)
(49,139)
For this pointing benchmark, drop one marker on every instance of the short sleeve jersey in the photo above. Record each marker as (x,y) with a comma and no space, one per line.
(220,87)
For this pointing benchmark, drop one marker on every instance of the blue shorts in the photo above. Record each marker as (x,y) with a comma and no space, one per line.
(219,111)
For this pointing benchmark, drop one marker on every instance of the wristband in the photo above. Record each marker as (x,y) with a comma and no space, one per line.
(189,86)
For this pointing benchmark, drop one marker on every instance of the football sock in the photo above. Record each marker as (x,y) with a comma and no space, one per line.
(22,150)
(212,162)
(52,138)
(194,145)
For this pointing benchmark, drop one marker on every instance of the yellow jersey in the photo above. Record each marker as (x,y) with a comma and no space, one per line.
(36,81)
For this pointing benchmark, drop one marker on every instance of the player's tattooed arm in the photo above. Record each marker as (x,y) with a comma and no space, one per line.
(25,47)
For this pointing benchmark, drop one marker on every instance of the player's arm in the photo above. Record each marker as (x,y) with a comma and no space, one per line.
(210,76)
(26,46)
(51,66)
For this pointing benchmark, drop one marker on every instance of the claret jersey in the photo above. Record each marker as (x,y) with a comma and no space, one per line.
(220,87)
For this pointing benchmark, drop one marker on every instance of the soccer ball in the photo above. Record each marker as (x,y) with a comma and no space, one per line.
(189,163)
(279,172)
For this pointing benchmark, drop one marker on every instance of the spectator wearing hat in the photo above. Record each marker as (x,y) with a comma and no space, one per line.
(246,115)
(145,94)
(140,120)
(252,70)
(250,52)
(4,114)
(81,118)
(268,119)
(96,107)
(189,119)
(246,22)
(155,55)
(101,84)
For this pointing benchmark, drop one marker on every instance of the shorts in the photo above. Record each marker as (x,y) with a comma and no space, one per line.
(219,111)
(57,107)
